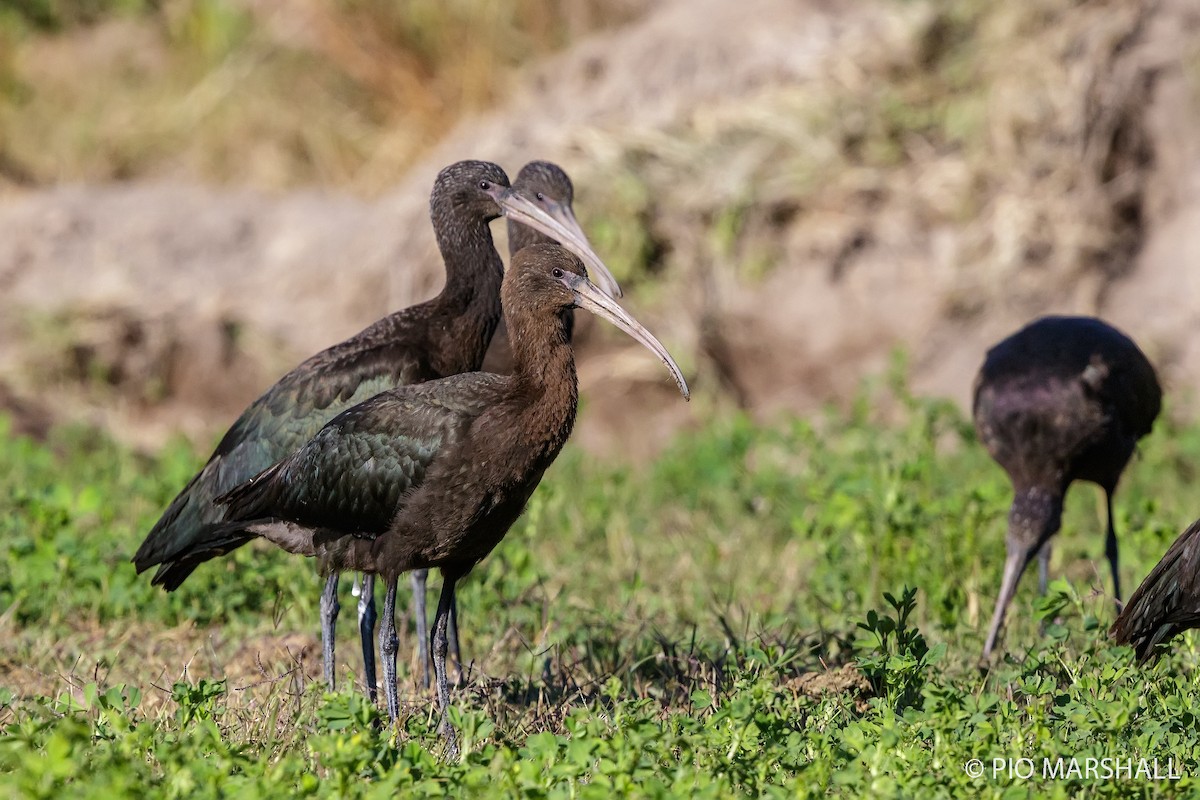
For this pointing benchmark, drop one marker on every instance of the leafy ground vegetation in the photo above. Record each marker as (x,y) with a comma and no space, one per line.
(783,609)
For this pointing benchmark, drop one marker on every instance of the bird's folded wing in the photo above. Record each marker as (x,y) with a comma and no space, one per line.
(352,476)
(276,424)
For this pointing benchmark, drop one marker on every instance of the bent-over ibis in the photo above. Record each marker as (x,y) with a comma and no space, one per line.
(1062,399)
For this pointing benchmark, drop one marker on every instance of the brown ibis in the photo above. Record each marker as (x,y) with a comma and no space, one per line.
(547,185)
(1062,399)
(434,474)
(446,335)
(1168,601)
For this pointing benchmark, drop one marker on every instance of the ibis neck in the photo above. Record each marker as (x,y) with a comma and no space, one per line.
(474,270)
(522,236)
(544,372)
(469,304)
(1035,516)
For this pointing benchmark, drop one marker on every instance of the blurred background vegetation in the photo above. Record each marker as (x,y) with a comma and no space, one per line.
(919,174)
(274,95)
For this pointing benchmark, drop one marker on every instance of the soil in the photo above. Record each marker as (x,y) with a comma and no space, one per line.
(159,308)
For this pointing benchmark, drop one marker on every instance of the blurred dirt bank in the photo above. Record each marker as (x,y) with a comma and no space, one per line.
(790,191)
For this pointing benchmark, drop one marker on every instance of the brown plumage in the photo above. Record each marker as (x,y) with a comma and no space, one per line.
(551,188)
(445,335)
(1062,399)
(1168,601)
(433,475)
(547,186)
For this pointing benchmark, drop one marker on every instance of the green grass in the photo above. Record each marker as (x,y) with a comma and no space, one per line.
(788,609)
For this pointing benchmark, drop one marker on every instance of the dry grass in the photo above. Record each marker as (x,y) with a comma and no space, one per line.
(344,93)
(145,655)
(274,678)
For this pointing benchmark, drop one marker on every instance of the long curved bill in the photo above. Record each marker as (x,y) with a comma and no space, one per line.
(589,296)
(561,227)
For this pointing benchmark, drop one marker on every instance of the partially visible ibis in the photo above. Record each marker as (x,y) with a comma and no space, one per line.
(1168,601)
(434,475)
(1062,399)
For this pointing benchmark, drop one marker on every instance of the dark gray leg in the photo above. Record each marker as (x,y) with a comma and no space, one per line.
(1044,579)
(452,635)
(418,579)
(366,629)
(388,645)
(1110,549)
(439,646)
(1043,568)
(329,612)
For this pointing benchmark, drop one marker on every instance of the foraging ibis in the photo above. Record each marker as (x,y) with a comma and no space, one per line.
(1062,399)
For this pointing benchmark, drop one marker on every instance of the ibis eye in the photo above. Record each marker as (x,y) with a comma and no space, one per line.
(485,185)
(558,273)
(541,197)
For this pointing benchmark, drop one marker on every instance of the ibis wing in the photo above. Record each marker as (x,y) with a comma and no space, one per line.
(285,417)
(1132,391)
(353,475)
(1167,601)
